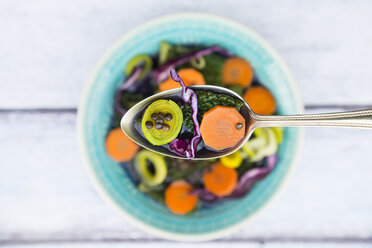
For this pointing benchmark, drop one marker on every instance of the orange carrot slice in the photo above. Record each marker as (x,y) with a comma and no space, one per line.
(221,181)
(119,147)
(189,76)
(222,127)
(260,100)
(237,71)
(178,198)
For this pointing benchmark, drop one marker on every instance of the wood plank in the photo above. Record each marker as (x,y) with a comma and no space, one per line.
(316,245)
(45,193)
(195,245)
(47,50)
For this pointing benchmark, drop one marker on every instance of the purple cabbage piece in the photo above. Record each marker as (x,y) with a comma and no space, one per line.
(161,73)
(177,145)
(205,195)
(127,84)
(248,179)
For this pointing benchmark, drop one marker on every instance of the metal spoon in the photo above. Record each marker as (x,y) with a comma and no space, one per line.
(359,119)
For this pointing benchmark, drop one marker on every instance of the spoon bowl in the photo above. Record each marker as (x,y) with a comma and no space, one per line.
(135,113)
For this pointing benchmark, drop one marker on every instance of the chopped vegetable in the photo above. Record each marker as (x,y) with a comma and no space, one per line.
(119,147)
(233,160)
(189,76)
(198,63)
(137,61)
(221,127)
(163,52)
(187,147)
(251,176)
(141,163)
(261,100)
(278,131)
(180,146)
(221,180)
(161,73)
(238,71)
(165,131)
(212,71)
(264,144)
(178,198)
(251,146)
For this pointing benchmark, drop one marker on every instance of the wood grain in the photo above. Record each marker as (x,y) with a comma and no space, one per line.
(48,49)
(46,196)
(195,245)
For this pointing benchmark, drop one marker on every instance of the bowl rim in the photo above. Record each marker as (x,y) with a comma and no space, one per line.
(84,153)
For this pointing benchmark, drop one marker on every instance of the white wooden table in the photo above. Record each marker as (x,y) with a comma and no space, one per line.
(47,49)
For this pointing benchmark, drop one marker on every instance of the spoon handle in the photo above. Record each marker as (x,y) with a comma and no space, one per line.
(359,119)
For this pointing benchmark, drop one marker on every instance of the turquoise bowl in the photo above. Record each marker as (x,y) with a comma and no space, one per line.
(96,110)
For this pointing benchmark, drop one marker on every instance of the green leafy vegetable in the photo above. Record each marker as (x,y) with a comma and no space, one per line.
(206,101)
(188,170)
(245,166)
(212,71)
(179,51)
(129,99)
(210,66)
(154,192)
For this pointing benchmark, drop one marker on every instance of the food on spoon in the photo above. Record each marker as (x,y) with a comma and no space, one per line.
(222,127)
(206,101)
(157,129)
(179,184)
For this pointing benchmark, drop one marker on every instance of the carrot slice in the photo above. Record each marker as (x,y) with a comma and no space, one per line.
(260,100)
(119,147)
(178,198)
(189,76)
(222,127)
(237,71)
(221,181)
